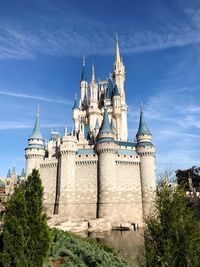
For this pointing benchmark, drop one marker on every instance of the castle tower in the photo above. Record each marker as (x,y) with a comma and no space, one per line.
(106,149)
(83,88)
(146,150)
(119,72)
(68,148)
(93,111)
(35,151)
(75,110)
(119,77)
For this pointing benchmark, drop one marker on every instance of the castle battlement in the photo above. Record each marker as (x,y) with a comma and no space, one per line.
(95,171)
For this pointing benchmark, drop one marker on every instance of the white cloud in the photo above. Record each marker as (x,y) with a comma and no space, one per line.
(39,98)
(13,125)
(77,34)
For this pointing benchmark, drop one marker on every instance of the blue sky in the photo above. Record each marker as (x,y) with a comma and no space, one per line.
(41,46)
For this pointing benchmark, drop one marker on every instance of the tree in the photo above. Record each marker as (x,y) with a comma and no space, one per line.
(38,236)
(184,175)
(15,221)
(26,236)
(172,235)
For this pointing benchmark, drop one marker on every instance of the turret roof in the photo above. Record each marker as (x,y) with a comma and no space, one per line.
(116,91)
(109,91)
(13,170)
(23,173)
(36,134)
(143,129)
(105,126)
(83,75)
(8,174)
(93,74)
(118,58)
(75,103)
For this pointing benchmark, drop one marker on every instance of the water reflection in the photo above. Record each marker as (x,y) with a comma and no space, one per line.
(129,243)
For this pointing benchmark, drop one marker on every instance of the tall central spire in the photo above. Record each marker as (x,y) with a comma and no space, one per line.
(117,59)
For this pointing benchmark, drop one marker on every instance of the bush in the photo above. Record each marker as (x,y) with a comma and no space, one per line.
(82,252)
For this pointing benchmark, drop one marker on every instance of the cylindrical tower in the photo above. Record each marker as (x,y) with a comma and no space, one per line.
(75,110)
(68,148)
(146,150)
(106,149)
(35,151)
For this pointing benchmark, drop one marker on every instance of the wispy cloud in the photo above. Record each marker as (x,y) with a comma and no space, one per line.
(13,125)
(77,34)
(39,98)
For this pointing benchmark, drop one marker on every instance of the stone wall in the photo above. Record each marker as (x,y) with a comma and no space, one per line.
(48,174)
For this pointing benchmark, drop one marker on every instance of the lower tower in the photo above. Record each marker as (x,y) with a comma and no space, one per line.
(67,200)
(35,151)
(146,150)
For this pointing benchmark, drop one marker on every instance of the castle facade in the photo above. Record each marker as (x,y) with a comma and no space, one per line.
(95,171)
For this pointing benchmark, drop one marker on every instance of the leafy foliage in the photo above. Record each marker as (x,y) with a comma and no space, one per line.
(77,251)
(26,237)
(172,236)
(184,175)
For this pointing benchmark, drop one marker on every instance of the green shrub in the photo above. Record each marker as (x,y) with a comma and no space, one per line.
(81,252)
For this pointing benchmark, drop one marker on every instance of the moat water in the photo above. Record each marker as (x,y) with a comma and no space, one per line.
(129,244)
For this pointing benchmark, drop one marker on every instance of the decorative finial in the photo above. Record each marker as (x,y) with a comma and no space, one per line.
(141,107)
(118,58)
(84,58)
(93,74)
(38,110)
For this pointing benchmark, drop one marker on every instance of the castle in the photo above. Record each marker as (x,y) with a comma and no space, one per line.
(94,171)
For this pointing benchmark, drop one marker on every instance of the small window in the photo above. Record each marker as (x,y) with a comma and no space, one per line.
(87,156)
(79,156)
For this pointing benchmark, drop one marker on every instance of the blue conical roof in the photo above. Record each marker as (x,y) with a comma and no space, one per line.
(23,173)
(8,174)
(109,91)
(83,75)
(116,91)
(14,170)
(36,134)
(143,129)
(75,103)
(105,126)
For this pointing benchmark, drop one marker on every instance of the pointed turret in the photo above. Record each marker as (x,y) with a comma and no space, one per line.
(83,75)
(109,91)
(118,58)
(116,91)
(36,134)
(143,129)
(83,88)
(8,174)
(35,150)
(93,75)
(75,102)
(13,171)
(105,126)
(23,173)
